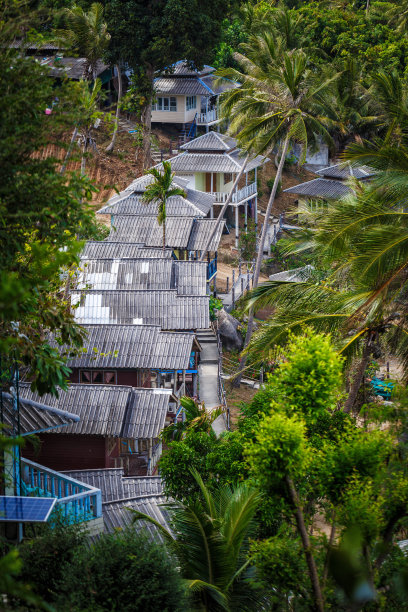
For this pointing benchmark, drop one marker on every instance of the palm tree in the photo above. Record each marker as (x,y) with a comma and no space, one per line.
(159,191)
(280,101)
(361,249)
(197,418)
(209,539)
(86,34)
(88,104)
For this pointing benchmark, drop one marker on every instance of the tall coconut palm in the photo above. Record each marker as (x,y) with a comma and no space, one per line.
(159,191)
(86,34)
(280,101)
(88,104)
(361,247)
(209,539)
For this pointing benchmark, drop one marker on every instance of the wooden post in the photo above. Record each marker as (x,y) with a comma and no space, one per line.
(233,277)
(261,375)
(388,369)
(242,285)
(227,284)
(233,297)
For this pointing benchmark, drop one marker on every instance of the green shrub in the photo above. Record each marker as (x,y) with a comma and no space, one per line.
(270,183)
(124,571)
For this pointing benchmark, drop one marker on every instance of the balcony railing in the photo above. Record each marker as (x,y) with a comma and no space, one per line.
(208,117)
(79,502)
(239,196)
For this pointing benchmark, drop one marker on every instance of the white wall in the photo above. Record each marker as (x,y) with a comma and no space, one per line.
(171,116)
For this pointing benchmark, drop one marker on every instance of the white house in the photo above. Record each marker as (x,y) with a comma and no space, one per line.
(210,163)
(187,96)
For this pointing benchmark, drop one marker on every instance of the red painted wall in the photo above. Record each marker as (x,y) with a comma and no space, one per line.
(68,452)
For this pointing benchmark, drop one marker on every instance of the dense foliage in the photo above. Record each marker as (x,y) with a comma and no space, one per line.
(310,460)
(43,214)
(124,571)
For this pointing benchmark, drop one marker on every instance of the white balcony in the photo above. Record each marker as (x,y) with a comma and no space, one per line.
(238,196)
(207,117)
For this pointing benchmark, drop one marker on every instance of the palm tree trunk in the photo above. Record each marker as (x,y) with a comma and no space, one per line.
(358,379)
(314,577)
(248,335)
(111,145)
(223,209)
(164,235)
(147,124)
(68,154)
(83,159)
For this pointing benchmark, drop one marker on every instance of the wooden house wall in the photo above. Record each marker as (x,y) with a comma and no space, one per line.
(133,378)
(69,452)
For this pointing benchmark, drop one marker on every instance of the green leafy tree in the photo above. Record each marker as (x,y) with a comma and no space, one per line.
(42,216)
(159,191)
(210,539)
(146,38)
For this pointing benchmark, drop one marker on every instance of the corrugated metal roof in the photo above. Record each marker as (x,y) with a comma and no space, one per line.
(213,141)
(134,346)
(114,486)
(33,418)
(121,250)
(164,308)
(188,277)
(72,67)
(176,206)
(182,68)
(345,170)
(321,188)
(116,515)
(144,493)
(173,86)
(204,162)
(213,162)
(109,410)
(195,198)
(191,276)
(146,230)
(200,234)
(146,413)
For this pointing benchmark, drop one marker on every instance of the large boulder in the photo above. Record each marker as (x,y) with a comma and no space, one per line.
(230,335)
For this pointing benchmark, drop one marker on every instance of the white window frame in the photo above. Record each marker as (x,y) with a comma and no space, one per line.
(165,104)
(191,102)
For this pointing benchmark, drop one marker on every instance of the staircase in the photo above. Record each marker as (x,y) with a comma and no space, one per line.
(188,132)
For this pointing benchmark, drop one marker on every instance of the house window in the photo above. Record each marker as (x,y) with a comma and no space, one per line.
(165,104)
(227,177)
(191,102)
(98,377)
